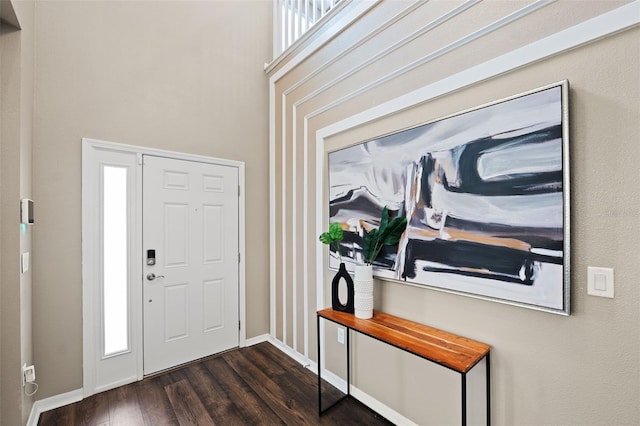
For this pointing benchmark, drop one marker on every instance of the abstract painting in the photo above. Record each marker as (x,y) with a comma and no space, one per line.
(485,193)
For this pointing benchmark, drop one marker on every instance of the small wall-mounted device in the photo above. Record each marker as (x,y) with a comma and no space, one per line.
(26,211)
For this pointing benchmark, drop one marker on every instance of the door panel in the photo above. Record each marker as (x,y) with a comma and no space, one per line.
(176,226)
(214,308)
(190,217)
(212,231)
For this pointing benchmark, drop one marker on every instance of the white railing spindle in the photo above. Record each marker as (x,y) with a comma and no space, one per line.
(293,18)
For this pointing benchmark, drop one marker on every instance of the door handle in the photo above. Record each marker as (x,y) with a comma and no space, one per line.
(151,276)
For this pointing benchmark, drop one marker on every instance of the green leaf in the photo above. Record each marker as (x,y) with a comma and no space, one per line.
(384,220)
(334,234)
(335,231)
(395,230)
(368,247)
(389,233)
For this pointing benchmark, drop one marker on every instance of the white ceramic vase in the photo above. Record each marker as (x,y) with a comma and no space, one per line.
(363,292)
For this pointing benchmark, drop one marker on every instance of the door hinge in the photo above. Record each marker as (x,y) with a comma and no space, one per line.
(238,325)
(238,190)
(238,257)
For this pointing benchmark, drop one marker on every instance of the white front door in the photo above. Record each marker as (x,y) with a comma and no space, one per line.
(190,229)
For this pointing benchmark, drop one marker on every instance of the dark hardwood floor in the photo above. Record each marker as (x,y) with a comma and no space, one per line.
(258,385)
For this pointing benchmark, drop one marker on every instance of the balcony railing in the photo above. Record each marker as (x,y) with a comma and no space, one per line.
(293,18)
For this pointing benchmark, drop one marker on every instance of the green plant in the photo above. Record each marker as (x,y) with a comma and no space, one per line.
(387,234)
(333,235)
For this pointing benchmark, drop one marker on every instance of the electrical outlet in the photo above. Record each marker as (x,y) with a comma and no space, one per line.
(29,373)
(341,335)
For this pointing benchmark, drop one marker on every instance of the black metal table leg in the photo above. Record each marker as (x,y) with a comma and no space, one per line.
(319,367)
(348,363)
(464,398)
(320,410)
(488,380)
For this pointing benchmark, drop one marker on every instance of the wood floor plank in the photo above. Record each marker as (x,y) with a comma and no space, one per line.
(250,408)
(187,406)
(124,407)
(291,366)
(154,402)
(301,385)
(274,396)
(59,417)
(218,403)
(258,385)
(306,384)
(299,395)
(94,411)
(267,360)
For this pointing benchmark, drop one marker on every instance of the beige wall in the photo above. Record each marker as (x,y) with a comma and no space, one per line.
(16,124)
(546,368)
(10,243)
(182,76)
(26,12)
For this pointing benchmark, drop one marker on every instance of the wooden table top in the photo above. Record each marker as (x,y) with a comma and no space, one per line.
(447,349)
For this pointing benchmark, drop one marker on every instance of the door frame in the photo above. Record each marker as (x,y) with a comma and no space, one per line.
(91,343)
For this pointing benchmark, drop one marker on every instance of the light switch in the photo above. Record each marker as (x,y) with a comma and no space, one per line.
(600,282)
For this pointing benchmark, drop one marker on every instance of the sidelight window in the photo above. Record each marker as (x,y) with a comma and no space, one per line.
(115,268)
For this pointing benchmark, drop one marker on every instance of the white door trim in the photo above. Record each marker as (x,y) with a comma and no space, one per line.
(89,272)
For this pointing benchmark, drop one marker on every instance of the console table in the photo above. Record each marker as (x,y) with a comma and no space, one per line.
(443,348)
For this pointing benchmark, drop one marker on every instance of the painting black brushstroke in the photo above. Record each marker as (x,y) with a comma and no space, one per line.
(485,194)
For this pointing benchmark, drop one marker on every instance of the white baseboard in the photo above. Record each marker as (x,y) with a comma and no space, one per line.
(34,416)
(377,406)
(258,339)
(303,360)
(52,403)
(335,381)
